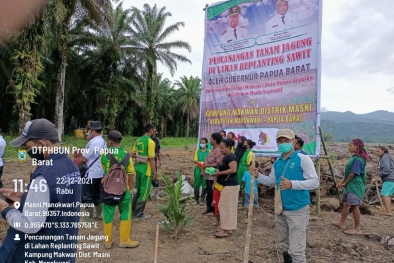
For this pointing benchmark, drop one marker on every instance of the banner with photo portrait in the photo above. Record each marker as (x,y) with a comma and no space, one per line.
(261,71)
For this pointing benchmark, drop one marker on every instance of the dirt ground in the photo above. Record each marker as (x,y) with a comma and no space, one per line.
(325,243)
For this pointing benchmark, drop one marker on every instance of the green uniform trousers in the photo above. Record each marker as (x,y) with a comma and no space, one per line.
(143,184)
(124,209)
(199,180)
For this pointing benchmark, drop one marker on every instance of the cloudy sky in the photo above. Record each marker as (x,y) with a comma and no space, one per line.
(357,54)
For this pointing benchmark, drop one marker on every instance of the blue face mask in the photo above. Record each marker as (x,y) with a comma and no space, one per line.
(285,147)
(202,145)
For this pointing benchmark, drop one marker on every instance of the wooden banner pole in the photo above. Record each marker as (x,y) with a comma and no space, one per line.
(318,189)
(330,166)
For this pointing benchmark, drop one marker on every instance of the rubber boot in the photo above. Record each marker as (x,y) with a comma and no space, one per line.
(287,258)
(108,233)
(139,211)
(99,212)
(156,189)
(124,235)
(197,196)
(89,218)
(203,195)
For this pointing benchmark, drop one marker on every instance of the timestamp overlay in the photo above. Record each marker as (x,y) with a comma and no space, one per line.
(53,230)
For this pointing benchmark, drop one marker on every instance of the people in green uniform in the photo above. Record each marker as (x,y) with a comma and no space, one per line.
(199,180)
(144,152)
(114,140)
(245,162)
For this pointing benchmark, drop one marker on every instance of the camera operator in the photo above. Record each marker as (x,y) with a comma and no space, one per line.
(37,223)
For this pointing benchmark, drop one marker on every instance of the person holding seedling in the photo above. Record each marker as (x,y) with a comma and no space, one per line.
(199,181)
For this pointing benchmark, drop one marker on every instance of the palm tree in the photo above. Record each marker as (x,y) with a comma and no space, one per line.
(188,97)
(165,102)
(109,46)
(28,66)
(63,12)
(149,36)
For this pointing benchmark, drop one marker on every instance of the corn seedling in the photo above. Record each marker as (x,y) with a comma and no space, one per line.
(174,210)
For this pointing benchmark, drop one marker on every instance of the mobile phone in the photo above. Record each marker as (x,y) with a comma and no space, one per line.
(9,201)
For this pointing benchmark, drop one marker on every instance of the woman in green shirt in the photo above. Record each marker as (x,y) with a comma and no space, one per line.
(353,184)
(199,180)
(245,162)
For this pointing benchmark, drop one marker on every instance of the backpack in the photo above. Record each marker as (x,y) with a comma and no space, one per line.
(114,184)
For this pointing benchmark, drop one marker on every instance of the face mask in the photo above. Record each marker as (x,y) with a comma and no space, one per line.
(285,147)
(202,145)
(39,156)
(244,146)
(89,134)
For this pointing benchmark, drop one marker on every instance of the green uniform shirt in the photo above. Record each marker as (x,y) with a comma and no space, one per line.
(119,154)
(358,184)
(243,166)
(146,147)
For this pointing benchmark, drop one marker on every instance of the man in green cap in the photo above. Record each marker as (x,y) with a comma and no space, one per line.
(234,31)
(144,152)
(282,19)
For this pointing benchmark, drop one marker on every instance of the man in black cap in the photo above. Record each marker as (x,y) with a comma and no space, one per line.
(53,190)
(92,152)
(2,149)
(234,31)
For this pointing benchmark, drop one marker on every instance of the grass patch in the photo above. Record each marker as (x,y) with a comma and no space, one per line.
(127,143)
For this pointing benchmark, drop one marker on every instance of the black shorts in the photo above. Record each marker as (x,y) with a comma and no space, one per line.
(91,191)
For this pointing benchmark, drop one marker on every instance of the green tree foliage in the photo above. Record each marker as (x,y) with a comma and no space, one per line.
(188,97)
(368,132)
(150,35)
(111,56)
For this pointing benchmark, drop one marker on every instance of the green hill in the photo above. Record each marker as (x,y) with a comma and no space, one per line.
(374,127)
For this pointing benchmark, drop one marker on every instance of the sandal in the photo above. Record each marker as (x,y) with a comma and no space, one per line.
(220,236)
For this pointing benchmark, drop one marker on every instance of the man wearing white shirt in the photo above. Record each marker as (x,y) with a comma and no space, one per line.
(294,173)
(282,19)
(91,188)
(2,149)
(234,31)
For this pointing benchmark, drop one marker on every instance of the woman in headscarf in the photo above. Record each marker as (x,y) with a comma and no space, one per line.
(246,159)
(353,185)
(240,150)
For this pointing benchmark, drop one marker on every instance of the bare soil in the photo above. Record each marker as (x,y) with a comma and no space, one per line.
(325,243)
